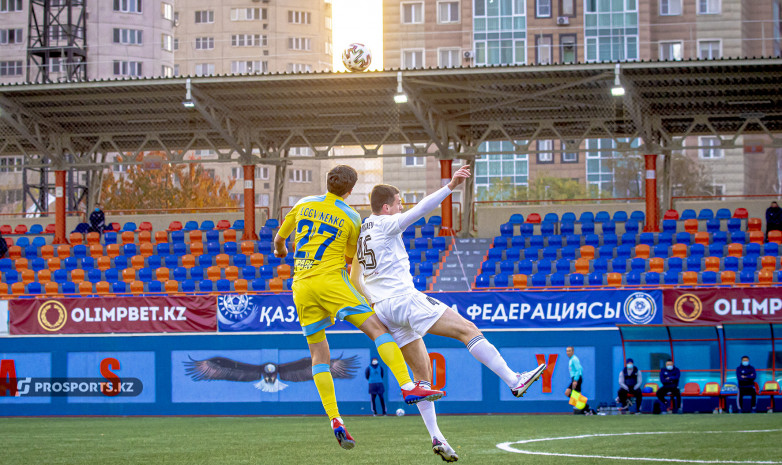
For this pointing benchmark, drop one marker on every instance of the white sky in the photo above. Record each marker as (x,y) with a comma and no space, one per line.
(358,21)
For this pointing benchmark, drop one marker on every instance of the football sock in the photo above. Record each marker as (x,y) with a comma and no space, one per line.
(429,416)
(321,374)
(485,352)
(392,357)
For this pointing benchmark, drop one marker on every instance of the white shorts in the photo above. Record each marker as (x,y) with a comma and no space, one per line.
(409,316)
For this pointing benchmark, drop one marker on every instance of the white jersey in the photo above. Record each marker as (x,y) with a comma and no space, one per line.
(382,255)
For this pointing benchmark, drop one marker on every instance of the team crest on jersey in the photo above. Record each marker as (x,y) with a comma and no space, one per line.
(236,311)
(640,308)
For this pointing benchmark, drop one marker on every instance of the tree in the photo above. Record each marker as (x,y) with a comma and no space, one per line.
(170,186)
(542,188)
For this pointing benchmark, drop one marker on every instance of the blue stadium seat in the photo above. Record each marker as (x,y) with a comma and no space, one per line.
(35,229)
(266,271)
(420,282)
(606,252)
(163,248)
(544,266)
(513,253)
(495,254)
(207,225)
(719,237)
(632,226)
(506,266)
(38,242)
(68,288)
(187,285)
(60,276)
(632,278)
(427,230)
(414,256)
(516,218)
(592,239)
(752,248)
(231,248)
(624,252)
(730,263)
(620,216)
(587,228)
(738,237)
(499,242)
(630,239)
(129,226)
(12,276)
(258,284)
(665,239)
(205,285)
(537,241)
(723,214)
(749,263)
(586,217)
(669,226)
(272,223)
(489,266)
(637,264)
(420,222)
(609,227)
(694,263)
(602,216)
(532,253)
(223,285)
(70,263)
(610,239)
(684,238)
(688,214)
(595,279)
(120,262)
(747,276)
(734,224)
(435,220)
(526,267)
(109,237)
(212,236)
(272,261)
(563,266)
(155,261)
(238,225)
(675,264)
(712,225)
(179,273)
(6,265)
(503,280)
(661,251)
(554,240)
(423,242)
(527,229)
(129,250)
(716,250)
(709,277)
(118,287)
(190,226)
(145,275)
(87,263)
(248,272)
(651,278)
(439,243)
(432,255)
(557,279)
(619,265)
(572,241)
(205,260)
(408,234)
(31,252)
(547,228)
(697,250)
(37,264)
(34,287)
(551,217)
(79,251)
(112,274)
(23,241)
(482,281)
(212,248)
(539,280)
(506,230)
(426,268)
(646,238)
(518,241)
(177,236)
(567,228)
(568,217)
(600,265)
(197,273)
(771,248)
(570,252)
(706,214)
(551,253)
(576,279)
(94,275)
(171,261)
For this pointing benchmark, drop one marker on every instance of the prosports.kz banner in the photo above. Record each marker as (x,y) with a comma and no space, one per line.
(488,310)
(158,314)
(718,305)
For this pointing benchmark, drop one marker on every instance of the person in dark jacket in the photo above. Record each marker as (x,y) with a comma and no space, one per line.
(746,375)
(374,373)
(97,220)
(3,246)
(630,380)
(669,377)
(773,218)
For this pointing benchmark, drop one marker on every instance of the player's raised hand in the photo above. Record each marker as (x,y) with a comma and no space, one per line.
(459,176)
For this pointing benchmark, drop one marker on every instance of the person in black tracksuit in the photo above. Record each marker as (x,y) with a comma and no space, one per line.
(374,374)
(630,380)
(669,376)
(746,376)
(97,220)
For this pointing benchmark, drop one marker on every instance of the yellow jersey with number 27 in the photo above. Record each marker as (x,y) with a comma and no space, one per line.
(327,230)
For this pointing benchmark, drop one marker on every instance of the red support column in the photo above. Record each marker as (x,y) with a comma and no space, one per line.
(446,228)
(59,208)
(652,209)
(249,204)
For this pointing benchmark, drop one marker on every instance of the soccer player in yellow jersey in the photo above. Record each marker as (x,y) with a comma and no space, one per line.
(327,231)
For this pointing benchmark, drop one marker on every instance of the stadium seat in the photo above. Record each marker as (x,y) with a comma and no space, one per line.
(734,224)
(713,226)
(754,224)
(536,241)
(738,237)
(655,264)
(525,266)
(500,280)
(551,253)
(679,250)
(632,226)
(562,266)
(567,228)
(768,262)
(483,281)
(544,266)
(136,287)
(716,250)
(188,285)
(205,285)
(582,266)
(747,277)
(669,226)
(756,237)
(691,226)
(645,238)
(195,236)
(706,214)
(516,218)
(651,278)
(661,251)
(609,228)
(224,285)
(687,214)
(592,240)
(556,279)
(600,266)
(702,238)
(683,238)
(506,230)
(694,264)
(489,266)
(633,278)
(520,281)
(539,280)
(526,229)
(420,283)
(728,277)
(512,253)
(637,265)
(671,277)
(548,228)
(587,228)
(675,264)
(568,252)
(587,252)
(735,250)
(741,213)
(533,218)
(576,280)
(731,263)
(775,237)
(749,262)
(506,266)
(595,279)
(614,279)
(641,251)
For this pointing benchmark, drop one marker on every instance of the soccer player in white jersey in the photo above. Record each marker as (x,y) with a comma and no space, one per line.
(383,263)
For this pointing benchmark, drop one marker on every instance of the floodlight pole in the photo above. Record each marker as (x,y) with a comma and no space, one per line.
(249,203)
(59,208)
(652,209)
(446,228)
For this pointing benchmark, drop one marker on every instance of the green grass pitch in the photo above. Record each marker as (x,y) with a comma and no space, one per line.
(388,440)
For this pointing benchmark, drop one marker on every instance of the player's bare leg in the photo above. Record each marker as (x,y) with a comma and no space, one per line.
(417,357)
(321,374)
(392,356)
(453,325)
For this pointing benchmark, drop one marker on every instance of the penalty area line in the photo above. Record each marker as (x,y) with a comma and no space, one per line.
(508,447)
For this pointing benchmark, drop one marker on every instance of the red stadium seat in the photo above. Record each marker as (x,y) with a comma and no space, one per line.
(223,224)
(6,229)
(20,229)
(691,389)
(671,215)
(175,226)
(50,229)
(741,213)
(145,226)
(533,218)
(756,237)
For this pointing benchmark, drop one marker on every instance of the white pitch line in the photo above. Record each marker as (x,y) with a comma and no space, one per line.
(508,447)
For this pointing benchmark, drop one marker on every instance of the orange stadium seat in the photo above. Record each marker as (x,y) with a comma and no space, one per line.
(93,238)
(690,278)
(85,287)
(112,250)
(137,262)
(21,264)
(195,236)
(757,237)
(582,266)
(28,276)
(702,237)
(679,250)
(275,285)
(691,226)
(163,274)
(641,251)
(17,288)
(248,247)
(614,279)
(63,251)
(188,261)
(161,236)
(711,264)
(587,252)
(96,251)
(222,260)
(51,288)
(728,277)
(3,289)
(136,287)
(775,236)
(43,276)
(256,259)
(284,271)
(54,263)
(754,224)
(15,252)
(146,249)
(77,276)
(735,250)
(232,273)
(520,281)
(75,238)
(128,237)
(240,285)
(196,248)
(144,237)
(768,262)
(766,277)
(171,286)
(47,252)
(213,273)
(128,275)
(101,287)
(104,263)
(656,264)
(229,235)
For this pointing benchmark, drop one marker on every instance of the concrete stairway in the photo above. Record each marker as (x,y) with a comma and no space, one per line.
(461,265)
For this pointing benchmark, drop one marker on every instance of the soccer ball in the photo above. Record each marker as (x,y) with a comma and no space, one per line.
(400,412)
(356,57)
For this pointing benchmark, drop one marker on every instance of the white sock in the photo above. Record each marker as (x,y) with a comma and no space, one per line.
(487,354)
(430,419)
(408,386)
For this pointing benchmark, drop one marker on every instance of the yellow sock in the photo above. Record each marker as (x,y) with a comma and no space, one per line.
(325,384)
(392,357)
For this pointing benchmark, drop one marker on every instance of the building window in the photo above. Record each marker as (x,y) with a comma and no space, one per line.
(449,57)
(413,58)
(670,7)
(709,148)
(300,175)
(251,66)
(569,151)
(204,69)
(299,17)
(11,164)
(447,12)
(166,71)
(127,68)
(568,52)
(10,36)
(542,8)
(261,200)
(10,68)
(600,164)
(300,152)
(55,65)
(545,154)
(167,42)
(127,36)
(248,40)
(262,172)
(412,198)
(611,32)
(709,7)
(415,161)
(299,43)
(717,189)
(567,8)
(204,16)
(167,11)
(205,43)
(413,13)
(299,68)
(127,6)
(176,44)
(709,49)
(543,49)
(176,69)
(248,14)
(501,173)
(9,6)
(671,50)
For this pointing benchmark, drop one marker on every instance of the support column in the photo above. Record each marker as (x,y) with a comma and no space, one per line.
(59,208)
(249,204)
(446,228)
(652,209)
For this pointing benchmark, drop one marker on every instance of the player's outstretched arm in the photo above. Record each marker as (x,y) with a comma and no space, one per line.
(433,200)
(280,249)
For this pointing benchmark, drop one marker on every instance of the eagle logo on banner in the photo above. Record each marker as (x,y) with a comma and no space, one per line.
(269,376)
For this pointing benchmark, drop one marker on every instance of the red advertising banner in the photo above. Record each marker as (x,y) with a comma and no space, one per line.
(717,305)
(87,315)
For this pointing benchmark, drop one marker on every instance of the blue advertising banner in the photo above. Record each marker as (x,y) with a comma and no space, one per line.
(18,370)
(114,365)
(488,310)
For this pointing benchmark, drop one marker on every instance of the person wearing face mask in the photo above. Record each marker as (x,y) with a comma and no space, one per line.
(97,220)
(746,375)
(630,380)
(669,376)
(374,374)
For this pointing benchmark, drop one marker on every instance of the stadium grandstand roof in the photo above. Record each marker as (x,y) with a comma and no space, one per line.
(256,118)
